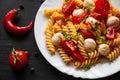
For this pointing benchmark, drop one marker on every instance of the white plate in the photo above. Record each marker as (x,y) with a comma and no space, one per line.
(97,71)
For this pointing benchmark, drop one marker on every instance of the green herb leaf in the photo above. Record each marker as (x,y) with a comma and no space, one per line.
(94,26)
(101,38)
(68,19)
(66,0)
(104,32)
(64,20)
(86,66)
(87,8)
(66,35)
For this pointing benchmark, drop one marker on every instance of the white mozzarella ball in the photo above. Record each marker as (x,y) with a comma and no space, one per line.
(104,49)
(88,3)
(112,20)
(77,12)
(90,44)
(56,39)
(91,20)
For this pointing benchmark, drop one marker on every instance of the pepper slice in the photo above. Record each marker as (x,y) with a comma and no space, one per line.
(12,28)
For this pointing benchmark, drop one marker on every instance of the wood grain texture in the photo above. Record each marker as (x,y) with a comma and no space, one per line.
(43,70)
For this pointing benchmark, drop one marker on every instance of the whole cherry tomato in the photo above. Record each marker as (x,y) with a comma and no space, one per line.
(17,59)
(68,8)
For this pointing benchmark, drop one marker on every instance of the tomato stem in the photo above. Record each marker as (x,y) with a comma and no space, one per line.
(15,57)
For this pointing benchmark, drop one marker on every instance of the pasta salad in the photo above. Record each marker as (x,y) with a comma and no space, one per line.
(83,31)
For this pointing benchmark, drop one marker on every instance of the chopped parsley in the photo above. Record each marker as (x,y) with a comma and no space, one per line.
(102,38)
(65,20)
(66,0)
(76,36)
(87,8)
(66,35)
(86,67)
(104,32)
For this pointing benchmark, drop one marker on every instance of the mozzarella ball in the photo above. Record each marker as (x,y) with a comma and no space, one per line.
(77,12)
(113,20)
(104,49)
(90,44)
(91,20)
(88,3)
(56,39)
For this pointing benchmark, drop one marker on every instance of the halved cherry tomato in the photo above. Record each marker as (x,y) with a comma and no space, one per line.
(87,34)
(77,20)
(102,7)
(17,59)
(71,49)
(69,46)
(111,31)
(84,14)
(96,15)
(78,56)
(68,8)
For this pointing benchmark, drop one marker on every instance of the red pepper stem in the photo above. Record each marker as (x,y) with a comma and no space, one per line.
(19,8)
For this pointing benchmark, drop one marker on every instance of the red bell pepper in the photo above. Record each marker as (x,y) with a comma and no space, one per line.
(71,49)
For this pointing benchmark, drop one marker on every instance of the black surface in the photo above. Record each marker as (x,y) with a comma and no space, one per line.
(42,69)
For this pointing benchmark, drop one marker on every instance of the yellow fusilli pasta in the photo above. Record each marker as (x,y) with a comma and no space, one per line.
(114,54)
(88,62)
(49,43)
(49,12)
(67,59)
(81,47)
(93,54)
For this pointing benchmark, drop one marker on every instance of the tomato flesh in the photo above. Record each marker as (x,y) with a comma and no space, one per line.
(68,8)
(87,34)
(102,7)
(111,32)
(71,49)
(77,20)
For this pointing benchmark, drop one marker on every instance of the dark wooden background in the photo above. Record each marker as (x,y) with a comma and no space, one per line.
(43,70)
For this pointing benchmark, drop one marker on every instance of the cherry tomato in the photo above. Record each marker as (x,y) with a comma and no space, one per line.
(102,7)
(17,59)
(111,32)
(69,46)
(87,34)
(77,20)
(71,49)
(96,15)
(118,15)
(68,8)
